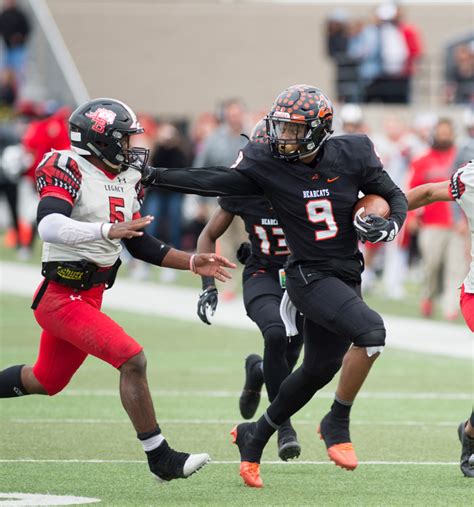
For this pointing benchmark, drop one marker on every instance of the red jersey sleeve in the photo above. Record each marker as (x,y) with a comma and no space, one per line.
(58,176)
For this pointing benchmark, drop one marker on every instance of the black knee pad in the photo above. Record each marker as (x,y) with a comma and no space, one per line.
(275,339)
(374,338)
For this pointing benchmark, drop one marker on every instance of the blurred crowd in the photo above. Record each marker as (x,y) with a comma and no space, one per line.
(434,247)
(372,66)
(378,59)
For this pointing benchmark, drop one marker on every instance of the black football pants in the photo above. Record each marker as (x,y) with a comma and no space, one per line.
(335,316)
(262,296)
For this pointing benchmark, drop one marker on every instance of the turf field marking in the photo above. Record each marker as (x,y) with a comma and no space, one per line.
(37,499)
(232,462)
(226,421)
(233,394)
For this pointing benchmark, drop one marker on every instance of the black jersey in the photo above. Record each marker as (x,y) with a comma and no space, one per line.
(314,204)
(269,248)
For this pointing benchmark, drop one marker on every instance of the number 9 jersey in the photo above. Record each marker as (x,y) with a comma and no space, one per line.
(314,202)
(95,196)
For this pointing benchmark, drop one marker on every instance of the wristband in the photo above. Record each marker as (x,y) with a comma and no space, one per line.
(192,264)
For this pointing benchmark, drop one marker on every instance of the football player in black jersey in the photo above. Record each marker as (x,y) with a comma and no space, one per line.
(313,182)
(264,258)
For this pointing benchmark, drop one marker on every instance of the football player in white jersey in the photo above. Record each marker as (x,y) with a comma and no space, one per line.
(89,203)
(461,189)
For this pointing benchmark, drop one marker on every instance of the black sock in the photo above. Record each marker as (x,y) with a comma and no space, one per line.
(264,429)
(11,385)
(341,409)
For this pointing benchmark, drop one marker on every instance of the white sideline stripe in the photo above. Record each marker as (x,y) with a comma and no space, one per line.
(136,461)
(234,394)
(225,421)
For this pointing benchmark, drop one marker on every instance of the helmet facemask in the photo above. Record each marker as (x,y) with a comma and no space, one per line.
(293,140)
(103,128)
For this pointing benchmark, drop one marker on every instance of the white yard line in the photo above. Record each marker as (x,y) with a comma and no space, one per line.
(297,422)
(417,335)
(292,463)
(165,393)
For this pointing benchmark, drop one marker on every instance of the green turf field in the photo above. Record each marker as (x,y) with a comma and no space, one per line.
(80,442)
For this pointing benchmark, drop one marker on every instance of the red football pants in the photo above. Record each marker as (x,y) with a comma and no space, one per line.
(467,308)
(74,327)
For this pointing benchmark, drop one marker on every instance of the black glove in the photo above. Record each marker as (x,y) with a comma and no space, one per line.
(374,229)
(207,302)
(149,175)
(244,252)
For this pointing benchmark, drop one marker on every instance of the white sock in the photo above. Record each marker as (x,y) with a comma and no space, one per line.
(153,442)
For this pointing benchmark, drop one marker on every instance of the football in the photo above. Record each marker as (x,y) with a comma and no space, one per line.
(373,205)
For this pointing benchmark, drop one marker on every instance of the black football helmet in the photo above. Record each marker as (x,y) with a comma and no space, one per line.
(299,122)
(102,127)
(259,132)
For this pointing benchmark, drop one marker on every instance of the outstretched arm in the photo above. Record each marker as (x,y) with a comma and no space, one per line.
(206,181)
(214,229)
(428,193)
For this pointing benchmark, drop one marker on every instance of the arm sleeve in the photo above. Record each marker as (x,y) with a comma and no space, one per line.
(57,228)
(58,176)
(147,248)
(377,181)
(208,181)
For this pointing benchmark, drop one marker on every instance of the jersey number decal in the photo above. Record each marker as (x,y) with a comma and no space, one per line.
(262,234)
(115,214)
(320,210)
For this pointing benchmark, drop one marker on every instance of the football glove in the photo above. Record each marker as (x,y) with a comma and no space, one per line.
(149,175)
(374,229)
(244,252)
(207,304)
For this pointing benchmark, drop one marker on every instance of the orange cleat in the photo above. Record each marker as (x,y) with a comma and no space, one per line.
(343,455)
(250,473)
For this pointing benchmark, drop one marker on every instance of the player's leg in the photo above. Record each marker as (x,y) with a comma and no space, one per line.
(265,312)
(466,437)
(323,355)
(77,319)
(255,286)
(341,309)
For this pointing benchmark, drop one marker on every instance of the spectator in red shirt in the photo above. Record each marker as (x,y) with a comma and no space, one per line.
(48,132)
(441,239)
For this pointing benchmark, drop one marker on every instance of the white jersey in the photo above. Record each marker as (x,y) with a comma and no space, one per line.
(96,196)
(462,190)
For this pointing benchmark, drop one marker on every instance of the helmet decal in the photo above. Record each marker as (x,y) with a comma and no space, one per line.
(101,118)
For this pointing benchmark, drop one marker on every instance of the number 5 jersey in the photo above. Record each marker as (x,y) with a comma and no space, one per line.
(96,196)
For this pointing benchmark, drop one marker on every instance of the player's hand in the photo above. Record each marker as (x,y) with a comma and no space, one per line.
(132,229)
(207,304)
(244,252)
(374,229)
(149,175)
(213,265)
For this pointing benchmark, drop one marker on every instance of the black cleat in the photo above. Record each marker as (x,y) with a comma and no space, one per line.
(467,451)
(171,464)
(288,445)
(250,396)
